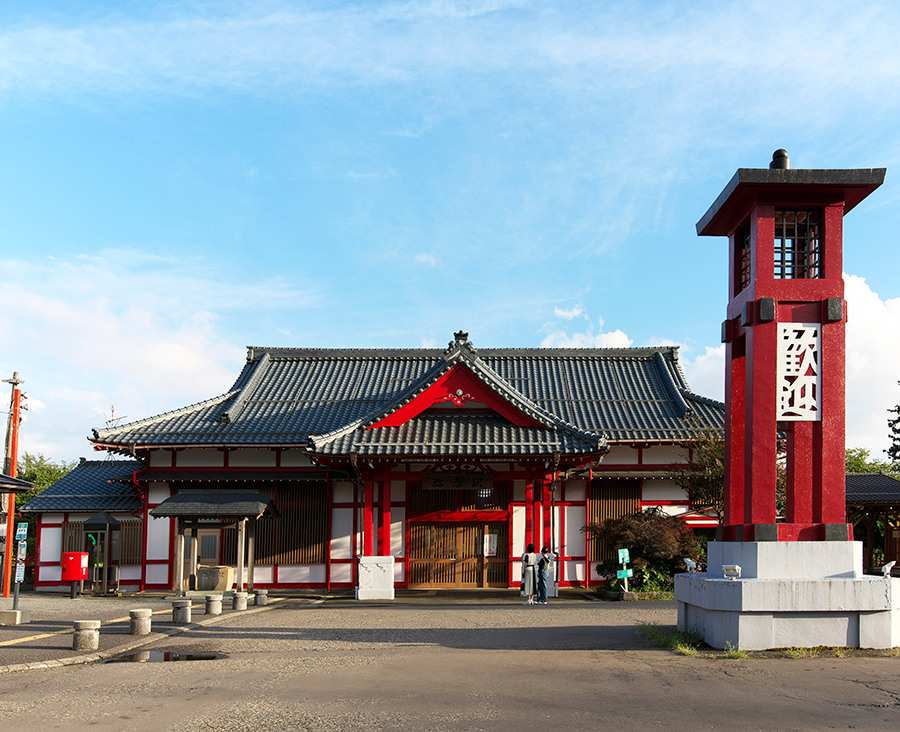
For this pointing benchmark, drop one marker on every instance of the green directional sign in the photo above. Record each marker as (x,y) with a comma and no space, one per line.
(623,573)
(624,557)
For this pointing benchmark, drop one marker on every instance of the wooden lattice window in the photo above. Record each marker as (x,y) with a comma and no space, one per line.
(298,536)
(126,546)
(797,245)
(742,258)
(611,498)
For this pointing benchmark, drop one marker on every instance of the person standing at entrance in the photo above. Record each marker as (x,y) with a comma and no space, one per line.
(529,578)
(544,576)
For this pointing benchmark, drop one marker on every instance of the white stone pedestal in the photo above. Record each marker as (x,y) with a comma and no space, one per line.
(376,578)
(790,594)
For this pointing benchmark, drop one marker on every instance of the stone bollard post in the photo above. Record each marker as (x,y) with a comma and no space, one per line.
(213,604)
(239,601)
(140,621)
(262,597)
(181,612)
(87,635)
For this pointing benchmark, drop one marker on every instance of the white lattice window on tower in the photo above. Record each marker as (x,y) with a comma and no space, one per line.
(799,372)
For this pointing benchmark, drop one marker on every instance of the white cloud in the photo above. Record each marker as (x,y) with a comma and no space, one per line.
(559,338)
(873,355)
(706,373)
(568,314)
(426,259)
(96,332)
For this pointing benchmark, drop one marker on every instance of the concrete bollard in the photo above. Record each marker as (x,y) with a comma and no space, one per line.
(181,612)
(213,604)
(239,601)
(139,621)
(87,635)
(262,597)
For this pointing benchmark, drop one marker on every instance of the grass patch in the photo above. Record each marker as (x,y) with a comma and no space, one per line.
(684,642)
(734,652)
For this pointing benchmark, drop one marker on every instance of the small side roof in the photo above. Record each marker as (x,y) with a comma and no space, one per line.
(872,488)
(215,504)
(90,486)
(8,484)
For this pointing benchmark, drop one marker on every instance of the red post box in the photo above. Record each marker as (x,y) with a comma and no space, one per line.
(74,566)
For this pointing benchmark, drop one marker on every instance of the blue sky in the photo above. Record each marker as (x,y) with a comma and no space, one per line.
(179,180)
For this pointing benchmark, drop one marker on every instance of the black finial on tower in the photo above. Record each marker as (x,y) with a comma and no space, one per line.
(780,160)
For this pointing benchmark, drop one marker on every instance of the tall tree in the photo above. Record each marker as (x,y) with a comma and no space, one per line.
(859,460)
(42,472)
(894,427)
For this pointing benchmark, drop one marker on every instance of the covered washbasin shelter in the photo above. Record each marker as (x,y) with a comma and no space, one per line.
(202,509)
(872,497)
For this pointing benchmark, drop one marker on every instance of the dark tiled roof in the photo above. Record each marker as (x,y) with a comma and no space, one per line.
(328,397)
(872,488)
(8,484)
(87,488)
(213,504)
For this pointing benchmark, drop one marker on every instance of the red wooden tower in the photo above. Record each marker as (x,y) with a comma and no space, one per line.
(784,336)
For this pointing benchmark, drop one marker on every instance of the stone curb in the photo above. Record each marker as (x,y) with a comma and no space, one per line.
(138,643)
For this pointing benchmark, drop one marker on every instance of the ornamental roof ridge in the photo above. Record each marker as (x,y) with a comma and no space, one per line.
(111,431)
(287,353)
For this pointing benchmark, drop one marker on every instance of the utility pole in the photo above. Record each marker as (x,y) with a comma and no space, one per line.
(11,460)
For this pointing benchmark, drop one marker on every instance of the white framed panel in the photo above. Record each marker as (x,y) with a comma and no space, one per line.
(662,490)
(621,455)
(574,571)
(342,533)
(301,573)
(129,572)
(51,518)
(260,457)
(157,574)
(576,490)
(518,490)
(158,538)
(664,455)
(160,459)
(295,459)
(51,574)
(50,549)
(158,492)
(342,491)
(200,457)
(398,491)
(575,539)
(342,572)
(398,572)
(398,538)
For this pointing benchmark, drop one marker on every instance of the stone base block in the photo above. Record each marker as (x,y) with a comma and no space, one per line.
(376,578)
(790,594)
(15,617)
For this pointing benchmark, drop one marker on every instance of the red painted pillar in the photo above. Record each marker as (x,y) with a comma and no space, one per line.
(761,436)
(368,516)
(799,476)
(529,509)
(385,538)
(546,536)
(735,416)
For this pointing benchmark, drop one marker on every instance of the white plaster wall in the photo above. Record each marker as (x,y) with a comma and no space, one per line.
(158,492)
(158,538)
(574,539)
(574,571)
(620,455)
(129,572)
(518,531)
(398,491)
(262,573)
(342,491)
(80,516)
(295,459)
(252,458)
(51,545)
(157,574)
(664,455)
(342,533)
(576,490)
(398,546)
(51,518)
(51,574)
(160,458)
(557,535)
(662,490)
(342,573)
(301,573)
(398,571)
(200,457)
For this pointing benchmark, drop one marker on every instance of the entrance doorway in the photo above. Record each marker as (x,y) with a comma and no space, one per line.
(458,555)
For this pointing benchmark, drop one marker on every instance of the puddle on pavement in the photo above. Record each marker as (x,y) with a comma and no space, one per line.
(163,657)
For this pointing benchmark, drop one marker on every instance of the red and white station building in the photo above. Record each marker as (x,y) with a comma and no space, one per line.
(450,461)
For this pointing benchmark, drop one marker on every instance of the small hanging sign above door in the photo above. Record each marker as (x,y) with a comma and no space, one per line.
(457,481)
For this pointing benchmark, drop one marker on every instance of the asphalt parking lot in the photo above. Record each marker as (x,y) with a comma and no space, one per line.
(435,662)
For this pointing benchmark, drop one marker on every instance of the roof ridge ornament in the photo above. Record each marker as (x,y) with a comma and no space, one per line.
(459,343)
